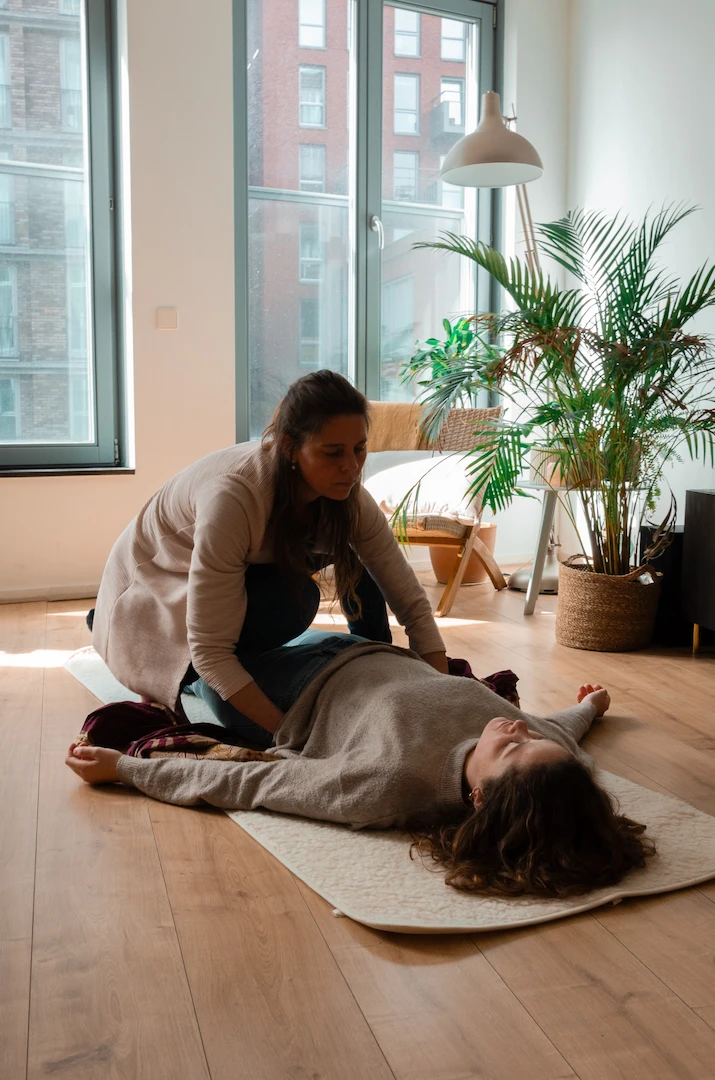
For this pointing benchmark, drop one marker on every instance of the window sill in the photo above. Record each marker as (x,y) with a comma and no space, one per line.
(69,470)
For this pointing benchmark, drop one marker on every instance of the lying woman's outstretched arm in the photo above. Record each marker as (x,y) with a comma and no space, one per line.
(305,786)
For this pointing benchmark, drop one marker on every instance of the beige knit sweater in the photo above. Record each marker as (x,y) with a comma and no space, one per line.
(173,588)
(377,739)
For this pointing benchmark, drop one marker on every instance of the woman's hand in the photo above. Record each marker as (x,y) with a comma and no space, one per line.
(598,697)
(93,764)
(437,660)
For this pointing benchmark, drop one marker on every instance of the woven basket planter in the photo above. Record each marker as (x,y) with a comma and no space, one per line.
(605,613)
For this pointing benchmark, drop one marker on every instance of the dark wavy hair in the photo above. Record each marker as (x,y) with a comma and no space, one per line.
(308,405)
(549,830)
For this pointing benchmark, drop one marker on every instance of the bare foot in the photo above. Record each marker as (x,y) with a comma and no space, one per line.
(598,697)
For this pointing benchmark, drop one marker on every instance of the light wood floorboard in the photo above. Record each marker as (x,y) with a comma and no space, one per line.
(110,997)
(22,634)
(167,943)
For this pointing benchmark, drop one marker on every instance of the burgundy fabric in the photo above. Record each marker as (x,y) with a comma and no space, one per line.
(502,683)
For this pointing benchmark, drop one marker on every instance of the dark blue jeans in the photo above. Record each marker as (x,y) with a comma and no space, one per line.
(276,650)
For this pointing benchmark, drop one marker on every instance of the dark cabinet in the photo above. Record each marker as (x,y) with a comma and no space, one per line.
(698,580)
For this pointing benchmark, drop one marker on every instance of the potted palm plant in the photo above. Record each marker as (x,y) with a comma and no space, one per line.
(604,386)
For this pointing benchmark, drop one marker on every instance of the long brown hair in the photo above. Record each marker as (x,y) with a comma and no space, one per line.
(309,404)
(548,830)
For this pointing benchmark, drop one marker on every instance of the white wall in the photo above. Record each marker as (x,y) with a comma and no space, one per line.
(57,531)
(642,87)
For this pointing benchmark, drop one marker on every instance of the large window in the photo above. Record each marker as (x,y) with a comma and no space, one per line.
(327,219)
(311,17)
(58,202)
(311,81)
(407,104)
(407,32)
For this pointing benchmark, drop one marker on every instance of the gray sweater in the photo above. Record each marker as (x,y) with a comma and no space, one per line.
(378,739)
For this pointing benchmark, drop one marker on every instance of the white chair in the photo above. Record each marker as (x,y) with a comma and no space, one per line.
(438,515)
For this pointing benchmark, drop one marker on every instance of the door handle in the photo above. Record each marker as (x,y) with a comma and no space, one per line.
(377,226)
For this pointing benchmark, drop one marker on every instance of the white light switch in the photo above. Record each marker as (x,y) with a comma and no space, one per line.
(167,318)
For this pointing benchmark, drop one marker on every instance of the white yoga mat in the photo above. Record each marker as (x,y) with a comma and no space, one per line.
(369,876)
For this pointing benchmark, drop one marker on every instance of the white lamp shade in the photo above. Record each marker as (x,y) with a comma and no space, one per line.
(492,156)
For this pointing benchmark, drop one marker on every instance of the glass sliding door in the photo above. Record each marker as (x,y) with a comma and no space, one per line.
(350,108)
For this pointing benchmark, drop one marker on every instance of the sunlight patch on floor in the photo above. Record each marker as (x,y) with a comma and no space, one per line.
(447,623)
(40,658)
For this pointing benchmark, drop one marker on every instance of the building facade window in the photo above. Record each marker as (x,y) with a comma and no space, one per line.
(311,85)
(406,168)
(407,32)
(75,231)
(311,253)
(71,84)
(8,310)
(9,410)
(311,24)
(451,195)
(5,91)
(310,333)
(78,408)
(7,208)
(453,40)
(76,310)
(398,317)
(311,164)
(407,104)
(69,7)
(452,91)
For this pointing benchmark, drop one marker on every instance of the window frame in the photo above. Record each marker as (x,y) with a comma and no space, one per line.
(105,397)
(322,24)
(309,104)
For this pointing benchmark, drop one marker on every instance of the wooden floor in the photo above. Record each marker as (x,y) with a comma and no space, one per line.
(147,942)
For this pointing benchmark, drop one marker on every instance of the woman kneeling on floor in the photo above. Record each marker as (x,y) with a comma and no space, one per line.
(372,737)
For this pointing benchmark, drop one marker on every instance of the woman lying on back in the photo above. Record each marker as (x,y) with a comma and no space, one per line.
(373,737)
